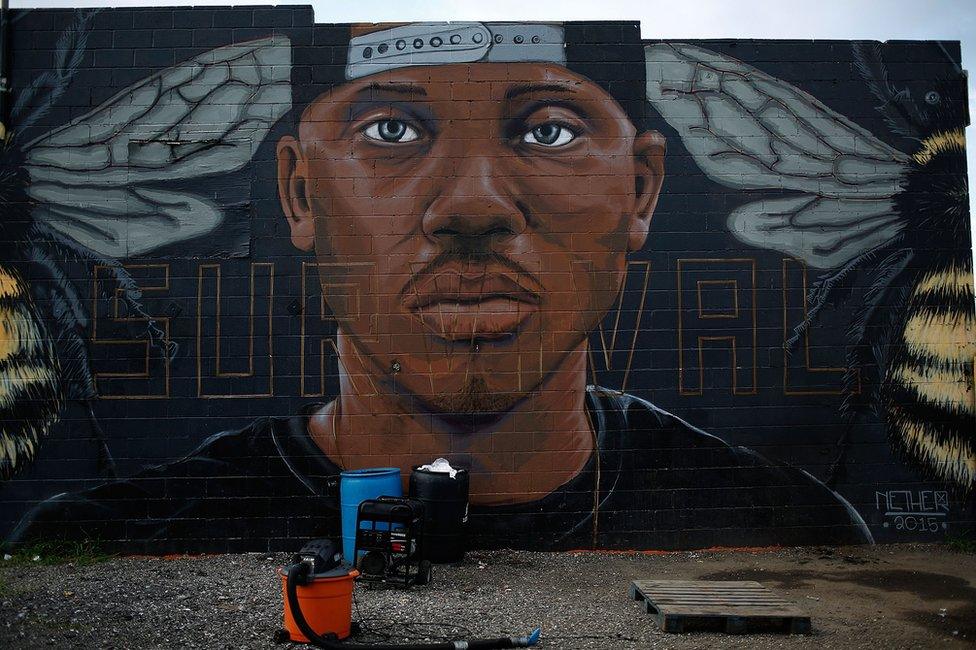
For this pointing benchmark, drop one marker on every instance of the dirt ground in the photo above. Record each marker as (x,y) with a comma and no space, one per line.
(904,596)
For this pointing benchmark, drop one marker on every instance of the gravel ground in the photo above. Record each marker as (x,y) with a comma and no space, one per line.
(904,596)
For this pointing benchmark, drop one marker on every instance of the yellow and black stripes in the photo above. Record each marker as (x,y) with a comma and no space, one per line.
(941,142)
(949,459)
(30,388)
(928,388)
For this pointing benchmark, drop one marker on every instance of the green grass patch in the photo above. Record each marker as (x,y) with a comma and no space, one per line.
(7,590)
(963,542)
(56,552)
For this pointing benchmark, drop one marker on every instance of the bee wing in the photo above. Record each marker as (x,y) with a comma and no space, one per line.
(748,130)
(824,232)
(91,178)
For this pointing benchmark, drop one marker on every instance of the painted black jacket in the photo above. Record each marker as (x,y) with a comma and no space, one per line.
(663,484)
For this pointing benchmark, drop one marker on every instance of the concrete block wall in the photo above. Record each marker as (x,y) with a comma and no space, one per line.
(651,294)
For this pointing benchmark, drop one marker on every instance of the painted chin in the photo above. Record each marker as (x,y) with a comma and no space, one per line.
(474,402)
(489,320)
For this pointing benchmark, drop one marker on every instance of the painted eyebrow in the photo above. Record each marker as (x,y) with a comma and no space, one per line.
(523,89)
(364,99)
(399,89)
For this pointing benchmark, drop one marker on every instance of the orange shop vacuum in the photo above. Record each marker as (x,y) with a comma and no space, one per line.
(317,589)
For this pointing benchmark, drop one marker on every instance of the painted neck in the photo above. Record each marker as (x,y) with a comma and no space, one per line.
(522,455)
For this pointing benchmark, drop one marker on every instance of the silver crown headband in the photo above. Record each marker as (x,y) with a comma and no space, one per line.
(446,43)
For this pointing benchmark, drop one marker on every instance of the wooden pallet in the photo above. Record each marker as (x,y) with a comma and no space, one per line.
(733,607)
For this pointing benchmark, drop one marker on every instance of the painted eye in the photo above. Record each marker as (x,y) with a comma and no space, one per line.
(549,134)
(932,97)
(391,131)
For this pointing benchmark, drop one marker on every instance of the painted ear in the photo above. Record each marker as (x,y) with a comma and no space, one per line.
(649,149)
(292,192)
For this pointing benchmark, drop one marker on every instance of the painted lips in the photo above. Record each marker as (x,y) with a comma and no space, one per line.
(471,305)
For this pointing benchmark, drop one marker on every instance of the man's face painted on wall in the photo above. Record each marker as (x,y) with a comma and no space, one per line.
(471,221)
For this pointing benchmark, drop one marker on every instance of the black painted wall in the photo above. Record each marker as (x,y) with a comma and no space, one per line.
(700,329)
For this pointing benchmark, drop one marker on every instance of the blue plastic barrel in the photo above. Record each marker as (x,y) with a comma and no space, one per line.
(355,486)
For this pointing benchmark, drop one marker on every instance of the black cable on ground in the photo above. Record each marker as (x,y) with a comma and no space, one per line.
(591,637)
(374,628)
(298,574)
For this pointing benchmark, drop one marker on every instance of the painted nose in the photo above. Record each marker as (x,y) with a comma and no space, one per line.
(473,206)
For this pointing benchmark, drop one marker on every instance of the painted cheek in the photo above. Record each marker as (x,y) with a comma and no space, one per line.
(577,218)
(588,224)
(355,203)
(394,203)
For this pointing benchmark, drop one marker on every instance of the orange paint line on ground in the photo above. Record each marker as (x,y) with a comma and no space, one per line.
(592,551)
(175,556)
(710,549)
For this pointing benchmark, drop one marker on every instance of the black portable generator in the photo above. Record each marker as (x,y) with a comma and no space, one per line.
(389,530)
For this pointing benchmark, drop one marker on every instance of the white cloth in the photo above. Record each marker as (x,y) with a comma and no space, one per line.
(442,466)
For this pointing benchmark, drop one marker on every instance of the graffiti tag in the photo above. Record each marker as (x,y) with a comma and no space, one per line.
(921,510)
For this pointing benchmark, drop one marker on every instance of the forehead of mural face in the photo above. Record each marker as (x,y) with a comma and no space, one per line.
(471,219)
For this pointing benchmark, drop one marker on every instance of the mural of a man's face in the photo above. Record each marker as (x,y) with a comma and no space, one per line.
(473,195)
(471,222)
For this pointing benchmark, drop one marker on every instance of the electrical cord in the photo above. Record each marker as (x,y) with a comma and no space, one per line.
(298,574)
(370,630)
(591,637)
(385,630)
(379,629)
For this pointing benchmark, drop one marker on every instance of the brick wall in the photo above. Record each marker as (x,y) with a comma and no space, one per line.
(652,294)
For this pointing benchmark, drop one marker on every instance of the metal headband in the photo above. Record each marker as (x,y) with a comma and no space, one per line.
(445,43)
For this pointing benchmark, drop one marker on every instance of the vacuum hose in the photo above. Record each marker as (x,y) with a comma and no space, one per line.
(299,573)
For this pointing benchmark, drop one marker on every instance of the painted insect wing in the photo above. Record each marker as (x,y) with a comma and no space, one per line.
(825,232)
(93,196)
(202,117)
(748,130)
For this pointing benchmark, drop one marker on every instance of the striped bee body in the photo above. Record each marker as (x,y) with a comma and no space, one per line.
(927,384)
(30,387)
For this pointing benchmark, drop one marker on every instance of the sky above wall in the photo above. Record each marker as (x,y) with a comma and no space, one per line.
(840,19)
